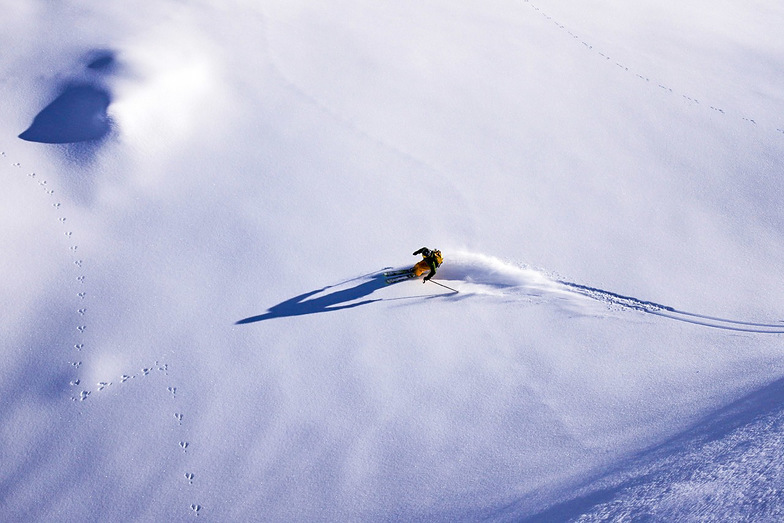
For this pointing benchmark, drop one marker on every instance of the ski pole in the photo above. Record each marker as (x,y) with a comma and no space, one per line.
(444,286)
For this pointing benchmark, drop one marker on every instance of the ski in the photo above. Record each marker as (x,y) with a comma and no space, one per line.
(400,277)
(397,273)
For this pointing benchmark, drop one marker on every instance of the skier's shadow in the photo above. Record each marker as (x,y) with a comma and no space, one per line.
(334,301)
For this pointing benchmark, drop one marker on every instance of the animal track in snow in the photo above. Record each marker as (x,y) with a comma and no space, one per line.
(145,372)
(81,327)
(184,443)
(79,263)
(79,346)
(625,68)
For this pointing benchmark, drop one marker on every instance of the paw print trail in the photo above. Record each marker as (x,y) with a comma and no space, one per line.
(184,444)
(626,69)
(75,348)
(78,348)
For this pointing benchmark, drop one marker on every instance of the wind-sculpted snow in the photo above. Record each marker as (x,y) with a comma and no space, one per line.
(78,114)
(729,462)
(77,118)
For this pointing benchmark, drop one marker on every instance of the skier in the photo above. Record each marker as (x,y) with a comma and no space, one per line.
(431,260)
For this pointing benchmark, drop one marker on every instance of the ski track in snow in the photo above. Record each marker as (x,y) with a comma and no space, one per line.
(478,275)
(666,311)
(586,44)
(80,346)
(474,274)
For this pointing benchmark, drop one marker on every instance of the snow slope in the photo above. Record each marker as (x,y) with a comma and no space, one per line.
(195,324)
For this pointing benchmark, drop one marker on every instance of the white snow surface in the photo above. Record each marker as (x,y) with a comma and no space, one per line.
(195,323)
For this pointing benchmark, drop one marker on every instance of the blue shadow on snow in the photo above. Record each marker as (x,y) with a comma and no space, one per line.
(78,114)
(335,301)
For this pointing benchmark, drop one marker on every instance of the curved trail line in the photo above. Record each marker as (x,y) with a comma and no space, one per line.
(481,273)
(627,69)
(672,313)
